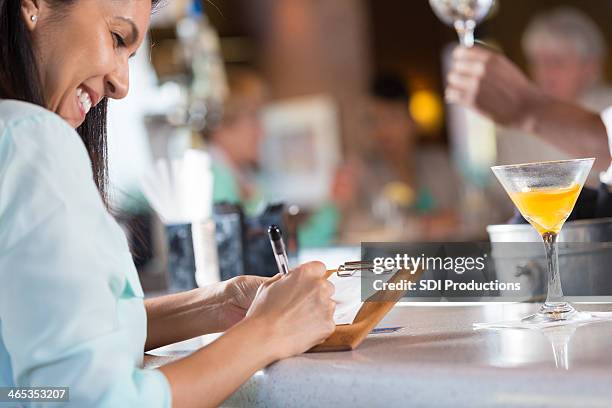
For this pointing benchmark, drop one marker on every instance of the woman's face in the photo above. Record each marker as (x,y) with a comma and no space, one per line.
(83,50)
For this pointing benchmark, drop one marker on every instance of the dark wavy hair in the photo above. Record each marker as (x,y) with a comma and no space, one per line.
(20,79)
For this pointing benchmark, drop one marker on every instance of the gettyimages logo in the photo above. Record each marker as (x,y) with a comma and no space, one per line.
(459,265)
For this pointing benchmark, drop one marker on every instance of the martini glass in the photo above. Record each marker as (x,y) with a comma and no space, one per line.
(463,15)
(545,194)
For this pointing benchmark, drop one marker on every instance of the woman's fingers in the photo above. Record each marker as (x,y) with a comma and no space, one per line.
(297,307)
(270,281)
(314,269)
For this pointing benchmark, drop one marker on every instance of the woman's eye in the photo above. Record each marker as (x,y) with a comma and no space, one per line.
(119,41)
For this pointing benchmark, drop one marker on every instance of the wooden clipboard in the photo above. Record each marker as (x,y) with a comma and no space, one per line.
(349,336)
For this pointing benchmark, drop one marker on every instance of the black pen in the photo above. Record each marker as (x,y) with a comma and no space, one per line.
(278,247)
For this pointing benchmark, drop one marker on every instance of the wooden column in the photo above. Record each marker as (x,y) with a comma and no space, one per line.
(316,46)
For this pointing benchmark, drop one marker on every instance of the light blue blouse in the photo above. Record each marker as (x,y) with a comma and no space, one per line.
(71,305)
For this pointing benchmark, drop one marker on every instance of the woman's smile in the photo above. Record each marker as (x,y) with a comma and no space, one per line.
(102,35)
(85,99)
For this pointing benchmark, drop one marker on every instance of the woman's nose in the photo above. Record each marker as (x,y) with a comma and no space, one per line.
(117,83)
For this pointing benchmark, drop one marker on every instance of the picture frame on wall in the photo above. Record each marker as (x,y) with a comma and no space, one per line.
(301,150)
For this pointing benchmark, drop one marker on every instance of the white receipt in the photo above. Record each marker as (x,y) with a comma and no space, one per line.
(347,297)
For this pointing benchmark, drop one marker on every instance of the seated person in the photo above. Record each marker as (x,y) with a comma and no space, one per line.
(405,186)
(72,309)
(234,149)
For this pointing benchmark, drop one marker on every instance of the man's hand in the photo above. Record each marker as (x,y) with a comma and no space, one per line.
(489,83)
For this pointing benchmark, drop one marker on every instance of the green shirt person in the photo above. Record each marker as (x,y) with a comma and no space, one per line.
(234,144)
(320,229)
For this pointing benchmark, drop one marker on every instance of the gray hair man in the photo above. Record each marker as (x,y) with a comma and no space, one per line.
(489,83)
(565,51)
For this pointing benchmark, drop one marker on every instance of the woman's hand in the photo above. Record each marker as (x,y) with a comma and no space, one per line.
(296,309)
(239,293)
(211,309)
(289,314)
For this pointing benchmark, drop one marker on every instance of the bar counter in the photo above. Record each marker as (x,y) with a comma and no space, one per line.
(437,359)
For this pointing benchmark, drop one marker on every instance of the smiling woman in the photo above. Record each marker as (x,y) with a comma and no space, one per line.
(83,46)
(72,312)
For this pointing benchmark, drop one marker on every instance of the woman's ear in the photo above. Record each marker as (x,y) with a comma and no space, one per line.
(30,11)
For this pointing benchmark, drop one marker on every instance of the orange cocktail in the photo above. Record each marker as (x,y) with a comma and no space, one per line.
(545,193)
(546,208)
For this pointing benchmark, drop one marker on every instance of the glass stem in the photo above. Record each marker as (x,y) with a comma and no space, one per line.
(554,298)
(465,30)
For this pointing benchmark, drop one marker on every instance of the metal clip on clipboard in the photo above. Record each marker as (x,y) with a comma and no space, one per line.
(372,311)
(348,269)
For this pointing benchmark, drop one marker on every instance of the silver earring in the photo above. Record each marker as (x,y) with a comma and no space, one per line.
(34,18)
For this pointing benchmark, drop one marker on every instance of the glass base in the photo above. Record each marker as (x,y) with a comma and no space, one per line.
(555,312)
(550,315)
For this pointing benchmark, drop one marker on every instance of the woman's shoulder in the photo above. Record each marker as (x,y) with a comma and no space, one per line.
(13,112)
(44,168)
(37,134)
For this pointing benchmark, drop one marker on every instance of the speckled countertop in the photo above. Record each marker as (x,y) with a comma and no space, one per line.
(437,360)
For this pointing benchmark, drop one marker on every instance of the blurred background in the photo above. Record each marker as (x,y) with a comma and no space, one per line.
(336,110)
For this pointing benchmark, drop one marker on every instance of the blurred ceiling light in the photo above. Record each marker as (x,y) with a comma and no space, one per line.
(426,109)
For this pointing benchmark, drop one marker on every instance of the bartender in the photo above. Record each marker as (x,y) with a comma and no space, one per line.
(72,312)
(565,53)
(491,84)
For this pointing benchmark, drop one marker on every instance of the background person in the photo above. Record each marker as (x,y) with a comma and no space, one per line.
(405,186)
(234,147)
(491,84)
(565,53)
(234,144)
(488,82)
